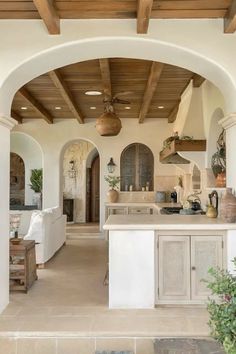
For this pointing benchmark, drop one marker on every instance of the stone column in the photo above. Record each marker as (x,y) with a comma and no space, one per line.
(6,124)
(229,124)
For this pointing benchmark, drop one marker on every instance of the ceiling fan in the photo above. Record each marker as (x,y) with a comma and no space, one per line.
(109,124)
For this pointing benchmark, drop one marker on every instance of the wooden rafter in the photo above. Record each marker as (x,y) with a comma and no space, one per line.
(173,113)
(154,76)
(197,80)
(230,19)
(58,81)
(143,15)
(49,15)
(16,117)
(106,76)
(36,105)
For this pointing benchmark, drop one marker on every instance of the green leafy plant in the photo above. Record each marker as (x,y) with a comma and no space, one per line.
(222,307)
(112,181)
(36,180)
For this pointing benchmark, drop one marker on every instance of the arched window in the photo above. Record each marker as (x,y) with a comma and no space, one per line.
(136,168)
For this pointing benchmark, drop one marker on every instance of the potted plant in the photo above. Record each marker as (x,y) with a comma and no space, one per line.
(113,182)
(36,184)
(222,307)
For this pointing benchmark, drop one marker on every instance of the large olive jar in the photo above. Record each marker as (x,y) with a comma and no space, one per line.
(228,206)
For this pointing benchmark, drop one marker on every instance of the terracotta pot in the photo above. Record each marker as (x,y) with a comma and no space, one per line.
(228,206)
(108,124)
(221,180)
(112,195)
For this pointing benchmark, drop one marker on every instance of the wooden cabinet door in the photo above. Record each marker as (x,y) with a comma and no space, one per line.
(174,268)
(206,252)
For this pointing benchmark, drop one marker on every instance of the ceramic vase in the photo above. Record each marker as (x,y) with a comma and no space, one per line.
(221,180)
(228,206)
(112,196)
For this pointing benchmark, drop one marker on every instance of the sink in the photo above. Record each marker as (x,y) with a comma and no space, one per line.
(171,210)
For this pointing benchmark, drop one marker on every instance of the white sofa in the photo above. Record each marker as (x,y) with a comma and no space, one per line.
(48,229)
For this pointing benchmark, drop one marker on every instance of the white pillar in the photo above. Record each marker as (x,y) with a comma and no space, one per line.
(6,124)
(229,124)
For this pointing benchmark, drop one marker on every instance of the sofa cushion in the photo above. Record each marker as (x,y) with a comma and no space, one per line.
(54,211)
(35,228)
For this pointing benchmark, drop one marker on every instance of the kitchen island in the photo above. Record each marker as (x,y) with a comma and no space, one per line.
(162,259)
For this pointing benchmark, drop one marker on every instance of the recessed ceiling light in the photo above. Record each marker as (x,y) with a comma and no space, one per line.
(127,107)
(93,107)
(93,93)
(160,107)
(24,108)
(58,108)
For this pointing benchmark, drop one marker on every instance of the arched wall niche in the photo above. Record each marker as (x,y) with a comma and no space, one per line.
(214,132)
(114,46)
(31,153)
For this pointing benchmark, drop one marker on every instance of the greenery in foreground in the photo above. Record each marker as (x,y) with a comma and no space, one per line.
(222,307)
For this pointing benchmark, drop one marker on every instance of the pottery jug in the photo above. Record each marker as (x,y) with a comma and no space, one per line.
(112,195)
(228,206)
(211,212)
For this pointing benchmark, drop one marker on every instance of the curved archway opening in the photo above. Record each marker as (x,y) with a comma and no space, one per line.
(132,47)
(81,181)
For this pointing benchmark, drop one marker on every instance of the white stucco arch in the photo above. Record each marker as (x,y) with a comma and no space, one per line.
(117,46)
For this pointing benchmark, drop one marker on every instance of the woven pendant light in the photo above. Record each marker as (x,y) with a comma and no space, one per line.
(108,124)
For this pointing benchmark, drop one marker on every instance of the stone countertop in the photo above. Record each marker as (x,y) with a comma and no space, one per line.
(166,222)
(143,204)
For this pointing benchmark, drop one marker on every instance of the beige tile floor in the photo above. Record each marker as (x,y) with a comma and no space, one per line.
(69,300)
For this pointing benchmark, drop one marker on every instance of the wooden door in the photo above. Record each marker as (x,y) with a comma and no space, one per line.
(206,252)
(95,189)
(174,268)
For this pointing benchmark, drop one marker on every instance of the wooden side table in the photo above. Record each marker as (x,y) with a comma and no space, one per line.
(22,265)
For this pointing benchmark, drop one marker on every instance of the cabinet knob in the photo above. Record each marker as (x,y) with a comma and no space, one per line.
(193,268)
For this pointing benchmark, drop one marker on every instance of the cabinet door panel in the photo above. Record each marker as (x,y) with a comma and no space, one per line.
(174,268)
(206,252)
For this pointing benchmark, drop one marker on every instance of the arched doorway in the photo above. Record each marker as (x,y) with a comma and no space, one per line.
(81,192)
(93,191)
(17,180)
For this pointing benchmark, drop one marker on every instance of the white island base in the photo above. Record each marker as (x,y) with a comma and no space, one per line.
(162,259)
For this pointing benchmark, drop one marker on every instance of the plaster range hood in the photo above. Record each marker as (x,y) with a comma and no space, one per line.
(170,154)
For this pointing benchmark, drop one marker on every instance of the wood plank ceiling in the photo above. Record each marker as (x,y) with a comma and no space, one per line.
(154,91)
(52,11)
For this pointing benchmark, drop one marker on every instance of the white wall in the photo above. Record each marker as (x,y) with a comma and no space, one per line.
(29,150)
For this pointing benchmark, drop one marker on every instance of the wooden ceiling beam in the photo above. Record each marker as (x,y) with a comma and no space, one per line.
(173,113)
(197,80)
(230,19)
(49,15)
(154,76)
(60,84)
(143,15)
(36,105)
(106,76)
(16,116)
